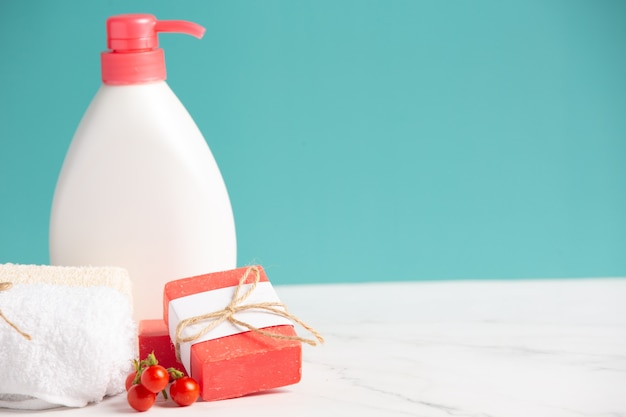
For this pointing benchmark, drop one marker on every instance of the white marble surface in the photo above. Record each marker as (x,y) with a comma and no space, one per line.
(464,348)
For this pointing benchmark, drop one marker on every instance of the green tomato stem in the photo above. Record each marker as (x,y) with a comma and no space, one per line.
(175,373)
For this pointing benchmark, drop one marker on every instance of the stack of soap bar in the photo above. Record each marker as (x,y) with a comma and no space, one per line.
(154,337)
(237,364)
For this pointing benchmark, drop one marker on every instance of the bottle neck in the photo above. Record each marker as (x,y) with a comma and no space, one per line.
(121,68)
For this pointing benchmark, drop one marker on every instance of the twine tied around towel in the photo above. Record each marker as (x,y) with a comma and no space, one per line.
(227,314)
(5,286)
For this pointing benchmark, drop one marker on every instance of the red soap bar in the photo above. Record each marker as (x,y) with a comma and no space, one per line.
(154,337)
(239,364)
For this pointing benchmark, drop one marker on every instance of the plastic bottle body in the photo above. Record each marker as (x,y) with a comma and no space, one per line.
(140,189)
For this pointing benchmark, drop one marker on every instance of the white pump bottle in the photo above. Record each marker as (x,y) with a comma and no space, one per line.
(139,187)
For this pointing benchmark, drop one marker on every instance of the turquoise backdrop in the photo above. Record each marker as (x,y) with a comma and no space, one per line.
(359,140)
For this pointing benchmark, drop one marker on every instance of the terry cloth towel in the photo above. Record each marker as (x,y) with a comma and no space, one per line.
(82,335)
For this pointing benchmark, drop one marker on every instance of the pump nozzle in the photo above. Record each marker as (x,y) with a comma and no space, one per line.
(134,55)
(180,26)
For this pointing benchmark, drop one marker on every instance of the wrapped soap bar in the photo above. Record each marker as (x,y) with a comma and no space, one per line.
(154,338)
(232,333)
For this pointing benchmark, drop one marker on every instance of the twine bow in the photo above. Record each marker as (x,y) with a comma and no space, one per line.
(227,314)
(5,286)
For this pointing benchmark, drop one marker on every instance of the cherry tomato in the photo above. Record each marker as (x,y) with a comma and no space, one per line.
(184,391)
(129,379)
(155,378)
(140,398)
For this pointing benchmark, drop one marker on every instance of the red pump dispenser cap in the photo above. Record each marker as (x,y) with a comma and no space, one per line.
(134,56)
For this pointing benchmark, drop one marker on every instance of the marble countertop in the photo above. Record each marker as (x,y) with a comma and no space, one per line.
(456,348)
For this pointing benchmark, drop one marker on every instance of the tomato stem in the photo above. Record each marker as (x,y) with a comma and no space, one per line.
(175,373)
(151,359)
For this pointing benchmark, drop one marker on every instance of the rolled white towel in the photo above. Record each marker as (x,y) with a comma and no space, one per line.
(67,336)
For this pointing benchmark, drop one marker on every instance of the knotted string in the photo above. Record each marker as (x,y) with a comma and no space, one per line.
(227,314)
(5,286)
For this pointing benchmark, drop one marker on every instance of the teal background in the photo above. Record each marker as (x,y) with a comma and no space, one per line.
(360,140)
